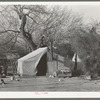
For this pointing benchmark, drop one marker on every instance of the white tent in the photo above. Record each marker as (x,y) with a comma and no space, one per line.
(78,59)
(28,64)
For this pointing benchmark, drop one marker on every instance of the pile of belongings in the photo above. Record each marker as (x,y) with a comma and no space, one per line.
(3,75)
(62,73)
(88,77)
(17,77)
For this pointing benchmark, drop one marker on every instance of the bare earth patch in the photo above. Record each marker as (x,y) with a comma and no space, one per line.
(51,84)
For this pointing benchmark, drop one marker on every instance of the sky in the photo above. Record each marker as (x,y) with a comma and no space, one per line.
(90,12)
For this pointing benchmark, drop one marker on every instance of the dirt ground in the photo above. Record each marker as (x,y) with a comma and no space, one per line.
(51,84)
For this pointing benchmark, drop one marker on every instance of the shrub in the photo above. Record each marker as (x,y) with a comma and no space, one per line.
(92,65)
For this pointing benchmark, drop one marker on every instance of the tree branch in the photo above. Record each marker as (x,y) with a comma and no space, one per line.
(9,31)
(33,19)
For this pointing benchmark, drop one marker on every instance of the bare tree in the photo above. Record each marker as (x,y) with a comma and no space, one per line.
(21,21)
(30,22)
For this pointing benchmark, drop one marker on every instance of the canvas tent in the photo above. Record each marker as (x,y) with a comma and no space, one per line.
(35,63)
(78,59)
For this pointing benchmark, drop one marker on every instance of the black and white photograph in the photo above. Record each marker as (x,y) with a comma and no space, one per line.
(49,47)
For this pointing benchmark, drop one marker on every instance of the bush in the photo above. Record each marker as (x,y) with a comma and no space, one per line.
(92,65)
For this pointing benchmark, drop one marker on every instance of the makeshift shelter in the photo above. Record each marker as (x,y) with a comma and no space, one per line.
(35,63)
(78,59)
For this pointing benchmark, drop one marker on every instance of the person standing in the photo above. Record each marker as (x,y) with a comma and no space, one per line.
(0,70)
(42,44)
(1,73)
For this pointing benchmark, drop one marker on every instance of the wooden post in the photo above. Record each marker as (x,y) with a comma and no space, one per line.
(57,61)
(51,44)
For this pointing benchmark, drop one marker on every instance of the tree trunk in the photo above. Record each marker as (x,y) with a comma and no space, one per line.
(27,35)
